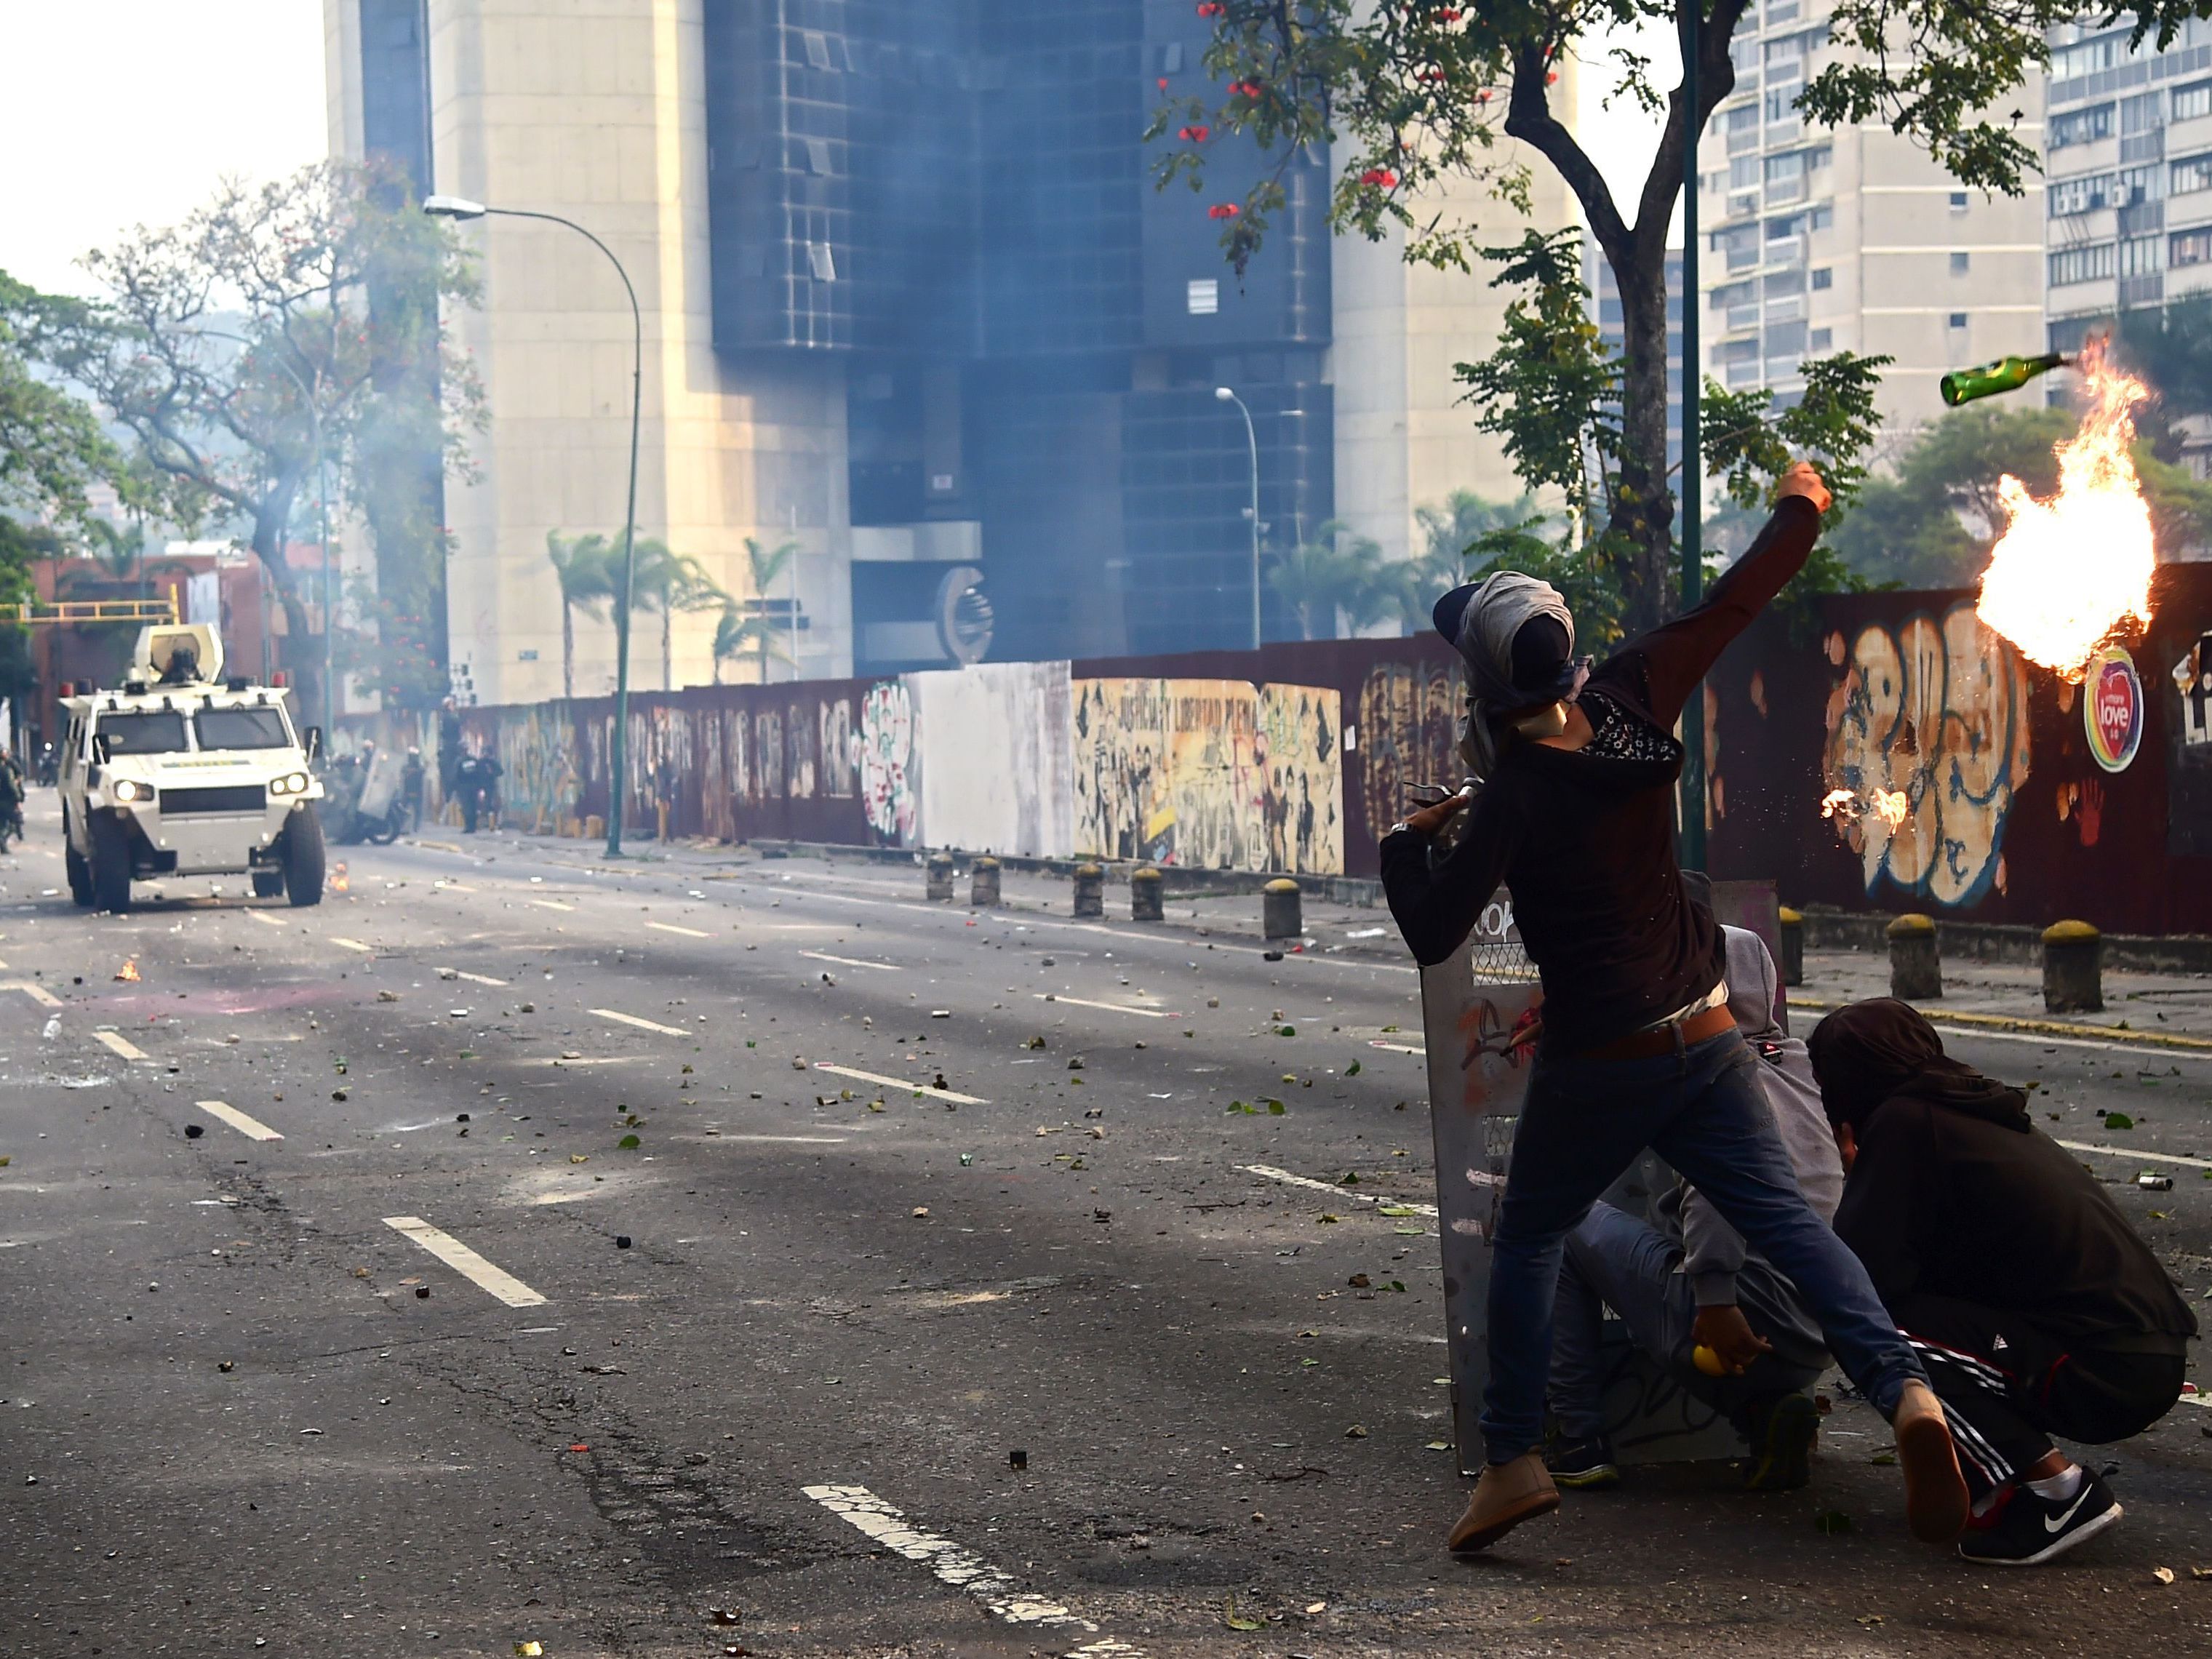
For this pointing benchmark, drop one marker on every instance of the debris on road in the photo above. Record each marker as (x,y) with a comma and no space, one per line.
(621,1241)
(1018,1458)
(193,1132)
(127,973)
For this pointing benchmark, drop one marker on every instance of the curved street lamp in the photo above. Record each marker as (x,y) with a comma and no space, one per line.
(1224,394)
(456,207)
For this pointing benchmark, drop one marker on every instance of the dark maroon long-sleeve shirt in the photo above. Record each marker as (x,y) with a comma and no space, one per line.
(1586,842)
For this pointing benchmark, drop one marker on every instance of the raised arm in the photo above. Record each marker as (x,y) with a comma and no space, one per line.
(1679,654)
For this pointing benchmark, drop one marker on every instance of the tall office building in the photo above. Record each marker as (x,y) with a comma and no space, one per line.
(1820,240)
(910,302)
(2127,175)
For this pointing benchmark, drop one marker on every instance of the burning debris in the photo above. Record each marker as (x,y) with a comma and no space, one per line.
(2072,572)
(1890,805)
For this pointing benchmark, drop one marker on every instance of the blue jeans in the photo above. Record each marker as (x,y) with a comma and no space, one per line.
(1615,1260)
(1583,1122)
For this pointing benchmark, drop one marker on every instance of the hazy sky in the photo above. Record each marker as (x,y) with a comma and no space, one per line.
(120,112)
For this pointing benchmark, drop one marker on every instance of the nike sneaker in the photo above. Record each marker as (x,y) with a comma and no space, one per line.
(2026,1530)
(1582,1464)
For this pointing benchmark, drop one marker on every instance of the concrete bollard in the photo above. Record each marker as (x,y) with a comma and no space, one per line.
(1145,896)
(937,878)
(983,883)
(2073,968)
(1916,972)
(1279,915)
(1792,929)
(595,827)
(1090,890)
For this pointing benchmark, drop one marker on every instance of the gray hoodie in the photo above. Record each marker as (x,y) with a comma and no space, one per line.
(1713,1251)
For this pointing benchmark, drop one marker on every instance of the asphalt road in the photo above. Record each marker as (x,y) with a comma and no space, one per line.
(774,1360)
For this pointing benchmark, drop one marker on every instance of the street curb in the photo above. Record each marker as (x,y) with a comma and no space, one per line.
(1828,928)
(2034,1027)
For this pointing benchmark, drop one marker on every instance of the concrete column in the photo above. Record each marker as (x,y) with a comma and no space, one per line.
(938,884)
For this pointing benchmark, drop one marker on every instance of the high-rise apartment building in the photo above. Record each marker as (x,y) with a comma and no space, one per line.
(2127,175)
(911,303)
(1820,240)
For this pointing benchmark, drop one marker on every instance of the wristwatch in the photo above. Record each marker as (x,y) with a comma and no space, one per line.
(1396,828)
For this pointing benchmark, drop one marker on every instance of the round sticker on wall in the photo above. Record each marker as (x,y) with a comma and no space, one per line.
(2112,708)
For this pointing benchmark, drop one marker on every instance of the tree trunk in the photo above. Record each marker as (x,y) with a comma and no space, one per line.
(269,519)
(568,648)
(1643,502)
(667,656)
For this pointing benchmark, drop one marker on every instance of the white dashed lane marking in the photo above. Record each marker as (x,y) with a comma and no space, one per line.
(264,918)
(2130,1151)
(473,979)
(251,1129)
(642,1025)
(353,945)
(899,1083)
(120,1044)
(853,962)
(996,1589)
(551,904)
(1110,1007)
(1269,1172)
(688,932)
(464,1261)
(38,994)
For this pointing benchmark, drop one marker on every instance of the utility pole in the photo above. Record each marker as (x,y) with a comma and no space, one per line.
(1693,472)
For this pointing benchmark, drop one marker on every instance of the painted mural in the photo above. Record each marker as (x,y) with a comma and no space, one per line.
(1216,775)
(886,746)
(840,749)
(543,781)
(1935,710)
(1408,732)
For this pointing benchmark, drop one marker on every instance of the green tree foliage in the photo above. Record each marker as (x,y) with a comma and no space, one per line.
(745,629)
(1552,394)
(52,451)
(667,582)
(1405,95)
(226,430)
(582,565)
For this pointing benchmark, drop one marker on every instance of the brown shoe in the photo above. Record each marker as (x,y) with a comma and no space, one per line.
(1507,1495)
(1935,1502)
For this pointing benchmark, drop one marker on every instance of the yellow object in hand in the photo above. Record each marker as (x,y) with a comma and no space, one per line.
(1707,1361)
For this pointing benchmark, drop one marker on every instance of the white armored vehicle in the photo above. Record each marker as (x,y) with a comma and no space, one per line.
(182,772)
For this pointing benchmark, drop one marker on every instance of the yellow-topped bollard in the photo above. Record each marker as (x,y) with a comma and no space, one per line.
(2073,968)
(1916,970)
(1280,909)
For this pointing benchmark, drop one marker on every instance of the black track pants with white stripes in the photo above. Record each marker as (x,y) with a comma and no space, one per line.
(2007,1386)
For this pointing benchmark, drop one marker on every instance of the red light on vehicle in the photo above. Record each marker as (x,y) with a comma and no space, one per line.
(280,679)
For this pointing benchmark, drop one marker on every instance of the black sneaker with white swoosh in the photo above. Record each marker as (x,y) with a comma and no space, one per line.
(2026,1530)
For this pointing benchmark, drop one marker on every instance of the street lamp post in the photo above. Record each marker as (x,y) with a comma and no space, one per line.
(1252,441)
(315,402)
(455,207)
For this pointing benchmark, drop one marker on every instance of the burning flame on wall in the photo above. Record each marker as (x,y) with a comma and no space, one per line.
(2070,573)
(1890,805)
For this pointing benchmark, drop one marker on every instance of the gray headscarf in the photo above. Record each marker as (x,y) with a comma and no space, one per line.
(1500,605)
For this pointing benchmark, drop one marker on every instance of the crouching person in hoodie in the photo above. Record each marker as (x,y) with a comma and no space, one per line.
(2032,1304)
(1691,1284)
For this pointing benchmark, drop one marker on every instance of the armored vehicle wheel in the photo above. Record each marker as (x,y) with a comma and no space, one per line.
(111,865)
(80,876)
(303,857)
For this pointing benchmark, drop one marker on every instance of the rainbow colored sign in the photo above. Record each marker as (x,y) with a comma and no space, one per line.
(2112,708)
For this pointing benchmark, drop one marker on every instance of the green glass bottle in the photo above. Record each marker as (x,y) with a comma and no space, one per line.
(2006,374)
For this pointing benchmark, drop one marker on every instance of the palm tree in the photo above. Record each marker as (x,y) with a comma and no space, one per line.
(669,582)
(585,566)
(748,628)
(1336,572)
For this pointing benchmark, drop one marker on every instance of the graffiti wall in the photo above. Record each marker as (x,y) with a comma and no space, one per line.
(1979,787)
(1217,775)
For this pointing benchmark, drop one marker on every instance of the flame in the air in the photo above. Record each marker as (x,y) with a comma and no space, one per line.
(2072,572)
(338,882)
(1890,805)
